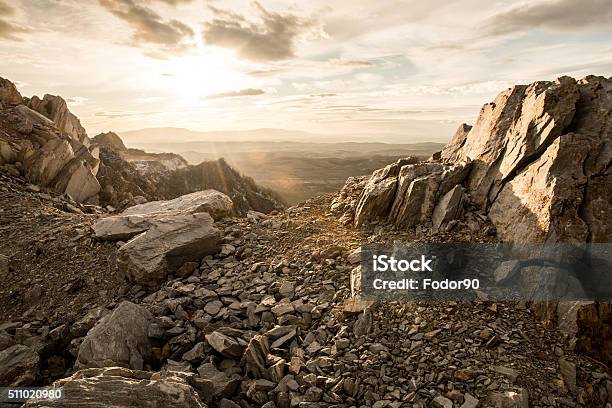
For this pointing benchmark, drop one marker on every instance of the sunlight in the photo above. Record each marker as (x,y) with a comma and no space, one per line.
(192,78)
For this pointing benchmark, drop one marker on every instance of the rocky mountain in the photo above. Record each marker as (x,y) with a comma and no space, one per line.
(178,302)
(42,140)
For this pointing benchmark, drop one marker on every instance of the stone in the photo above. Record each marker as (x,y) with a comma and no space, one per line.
(216,382)
(19,366)
(568,372)
(507,271)
(225,345)
(469,401)
(55,108)
(354,257)
(416,196)
(140,218)
(119,339)
(441,402)
(196,353)
(9,95)
(123,388)
(509,399)
(375,200)
(453,148)
(507,372)
(46,163)
(255,357)
(450,207)
(148,258)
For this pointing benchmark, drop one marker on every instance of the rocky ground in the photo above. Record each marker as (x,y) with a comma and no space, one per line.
(266,322)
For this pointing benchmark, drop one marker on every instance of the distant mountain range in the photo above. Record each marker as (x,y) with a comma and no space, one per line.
(182,135)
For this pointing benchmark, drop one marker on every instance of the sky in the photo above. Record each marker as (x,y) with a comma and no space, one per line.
(344,67)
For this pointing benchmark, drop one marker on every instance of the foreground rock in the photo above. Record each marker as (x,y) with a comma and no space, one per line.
(169,243)
(139,218)
(18,365)
(123,388)
(119,339)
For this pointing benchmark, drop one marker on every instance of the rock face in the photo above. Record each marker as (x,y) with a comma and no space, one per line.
(171,241)
(536,161)
(56,109)
(140,218)
(119,339)
(123,388)
(405,193)
(47,144)
(9,95)
(541,155)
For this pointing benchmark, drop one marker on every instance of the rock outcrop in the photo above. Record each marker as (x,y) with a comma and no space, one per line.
(42,140)
(56,109)
(537,162)
(139,218)
(123,388)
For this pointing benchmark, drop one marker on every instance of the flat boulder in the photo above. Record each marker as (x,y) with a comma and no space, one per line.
(171,241)
(119,339)
(119,387)
(141,217)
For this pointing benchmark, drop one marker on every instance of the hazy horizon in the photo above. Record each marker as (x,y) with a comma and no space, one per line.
(389,69)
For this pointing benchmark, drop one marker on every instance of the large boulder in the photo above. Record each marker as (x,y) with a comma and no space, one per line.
(55,108)
(140,218)
(171,241)
(78,180)
(123,388)
(119,339)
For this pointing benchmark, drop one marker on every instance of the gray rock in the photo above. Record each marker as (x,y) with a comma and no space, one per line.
(568,372)
(450,207)
(148,258)
(140,218)
(226,345)
(441,402)
(119,339)
(19,366)
(507,271)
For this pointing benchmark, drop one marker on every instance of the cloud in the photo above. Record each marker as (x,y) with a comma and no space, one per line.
(353,62)
(77,100)
(560,15)
(8,30)
(167,36)
(234,94)
(270,39)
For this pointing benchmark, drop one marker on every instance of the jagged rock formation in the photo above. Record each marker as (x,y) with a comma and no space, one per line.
(42,140)
(537,162)
(56,109)
(45,142)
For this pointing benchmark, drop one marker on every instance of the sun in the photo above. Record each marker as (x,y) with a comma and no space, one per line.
(193,78)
